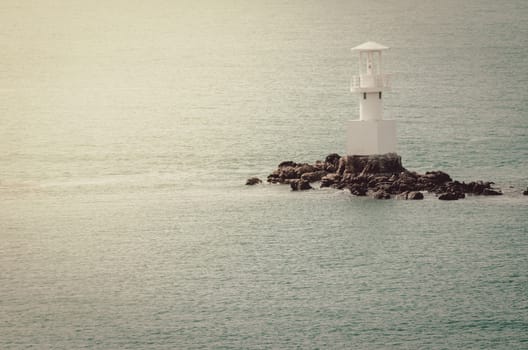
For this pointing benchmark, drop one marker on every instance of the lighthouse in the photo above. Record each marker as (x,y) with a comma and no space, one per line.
(371,134)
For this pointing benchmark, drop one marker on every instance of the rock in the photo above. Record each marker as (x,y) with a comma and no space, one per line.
(253,181)
(329,180)
(374,181)
(476,187)
(332,158)
(300,185)
(358,189)
(319,165)
(313,176)
(304,185)
(415,195)
(381,176)
(525,192)
(332,162)
(491,192)
(451,196)
(381,194)
(301,169)
(341,167)
(480,187)
(437,177)
(287,163)
(288,172)
(294,185)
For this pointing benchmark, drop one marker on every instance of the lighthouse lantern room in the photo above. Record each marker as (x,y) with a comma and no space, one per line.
(371,134)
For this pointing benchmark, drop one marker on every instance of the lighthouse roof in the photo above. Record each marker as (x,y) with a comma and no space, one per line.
(369,46)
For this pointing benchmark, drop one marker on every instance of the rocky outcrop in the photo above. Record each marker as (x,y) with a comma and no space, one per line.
(300,185)
(253,181)
(379,176)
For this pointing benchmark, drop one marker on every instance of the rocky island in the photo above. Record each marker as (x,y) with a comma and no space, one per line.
(378,176)
(378,172)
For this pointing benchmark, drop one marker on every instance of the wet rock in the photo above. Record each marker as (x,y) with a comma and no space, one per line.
(341,166)
(358,189)
(319,165)
(374,181)
(287,164)
(253,181)
(448,197)
(491,192)
(380,194)
(437,177)
(304,185)
(477,187)
(381,176)
(451,196)
(415,195)
(301,169)
(329,180)
(313,176)
(332,162)
(300,185)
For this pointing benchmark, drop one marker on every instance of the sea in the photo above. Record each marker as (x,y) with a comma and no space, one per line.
(128,130)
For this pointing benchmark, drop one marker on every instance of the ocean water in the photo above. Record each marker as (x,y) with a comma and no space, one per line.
(128,129)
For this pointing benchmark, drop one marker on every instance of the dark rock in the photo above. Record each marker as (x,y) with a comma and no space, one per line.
(415,195)
(274,177)
(380,175)
(301,169)
(332,158)
(287,163)
(319,165)
(341,167)
(479,187)
(358,189)
(288,172)
(449,196)
(491,192)
(313,176)
(300,185)
(374,181)
(294,185)
(304,185)
(381,194)
(329,180)
(332,162)
(453,186)
(474,187)
(437,177)
(253,181)
(525,192)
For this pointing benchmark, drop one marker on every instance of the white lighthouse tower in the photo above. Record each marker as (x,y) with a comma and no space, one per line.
(370,134)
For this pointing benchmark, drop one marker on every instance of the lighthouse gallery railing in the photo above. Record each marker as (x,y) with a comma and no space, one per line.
(372,81)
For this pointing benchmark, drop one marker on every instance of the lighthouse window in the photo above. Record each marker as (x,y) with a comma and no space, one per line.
(364,95)
(380,95)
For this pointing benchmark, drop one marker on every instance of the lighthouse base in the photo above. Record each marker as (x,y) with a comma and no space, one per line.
(366,137)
